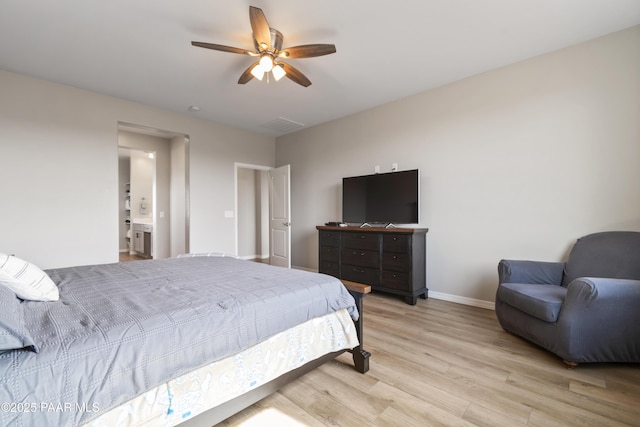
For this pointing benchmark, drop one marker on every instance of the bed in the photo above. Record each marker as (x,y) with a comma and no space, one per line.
(189,339)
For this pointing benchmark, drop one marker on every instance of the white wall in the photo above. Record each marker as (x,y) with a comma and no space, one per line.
(178,189)
(514,163)
(59,174)
(142,172)
(253,213)
(262,183)
(247,220)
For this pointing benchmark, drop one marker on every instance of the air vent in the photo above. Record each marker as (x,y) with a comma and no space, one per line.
(283,125)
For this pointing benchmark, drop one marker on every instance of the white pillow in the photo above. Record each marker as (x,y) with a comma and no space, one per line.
(26,280)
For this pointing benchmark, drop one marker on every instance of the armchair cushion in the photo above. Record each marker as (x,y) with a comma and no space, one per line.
(540,301)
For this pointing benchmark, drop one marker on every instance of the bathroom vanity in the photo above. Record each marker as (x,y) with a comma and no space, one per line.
(141,238)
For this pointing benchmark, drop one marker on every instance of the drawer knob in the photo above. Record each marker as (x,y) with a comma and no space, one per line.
(395,257)
(363,237)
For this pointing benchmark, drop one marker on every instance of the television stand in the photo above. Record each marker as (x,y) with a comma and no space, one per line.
(391,260)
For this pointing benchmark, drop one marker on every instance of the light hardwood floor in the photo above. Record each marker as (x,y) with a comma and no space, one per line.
(443,364)
(125,257)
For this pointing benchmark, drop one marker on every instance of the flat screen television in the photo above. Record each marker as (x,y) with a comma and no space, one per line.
(391,198)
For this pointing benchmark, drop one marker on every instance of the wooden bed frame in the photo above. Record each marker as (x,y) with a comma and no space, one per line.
(361,357)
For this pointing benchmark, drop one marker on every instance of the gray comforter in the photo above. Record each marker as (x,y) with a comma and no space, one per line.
(120,329)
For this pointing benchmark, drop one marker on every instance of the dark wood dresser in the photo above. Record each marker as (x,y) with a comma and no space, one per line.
(390,260)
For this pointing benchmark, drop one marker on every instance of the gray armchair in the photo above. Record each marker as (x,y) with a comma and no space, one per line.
(584,310)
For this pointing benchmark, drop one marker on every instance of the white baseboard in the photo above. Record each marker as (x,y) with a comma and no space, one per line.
(489,305)
(245,257)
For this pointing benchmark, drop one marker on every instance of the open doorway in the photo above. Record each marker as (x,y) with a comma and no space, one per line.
(137,178)
(263,214)
(163,217)
(252,212)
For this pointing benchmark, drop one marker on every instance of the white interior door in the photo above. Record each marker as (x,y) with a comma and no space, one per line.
(280,217)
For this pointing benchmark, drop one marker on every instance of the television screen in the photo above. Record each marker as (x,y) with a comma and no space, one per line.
(381,198)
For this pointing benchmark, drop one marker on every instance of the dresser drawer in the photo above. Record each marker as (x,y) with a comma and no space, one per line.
(329,253)
(396,243)
(330,268)
(360,241)
(329,238)
(396,261)
(354,273)
(396,280)
(360,257)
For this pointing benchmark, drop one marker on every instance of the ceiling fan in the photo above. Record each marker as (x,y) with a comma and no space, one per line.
(268,46)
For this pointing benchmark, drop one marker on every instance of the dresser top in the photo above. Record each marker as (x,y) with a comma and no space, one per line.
(373,229)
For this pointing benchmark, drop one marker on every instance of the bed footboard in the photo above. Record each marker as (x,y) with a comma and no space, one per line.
(360,355)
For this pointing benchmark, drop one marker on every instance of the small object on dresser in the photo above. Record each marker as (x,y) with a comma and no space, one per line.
(335,224)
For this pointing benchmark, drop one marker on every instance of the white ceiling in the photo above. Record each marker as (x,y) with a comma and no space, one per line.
(386,50)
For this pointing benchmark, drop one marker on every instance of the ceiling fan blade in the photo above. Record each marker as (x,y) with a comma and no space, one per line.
(307,51)
(260,28)
(224,48)
(247,76)
(296,75)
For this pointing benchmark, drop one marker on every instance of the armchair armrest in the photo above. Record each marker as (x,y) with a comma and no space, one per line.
(605,295)
(600,320)
(532,272)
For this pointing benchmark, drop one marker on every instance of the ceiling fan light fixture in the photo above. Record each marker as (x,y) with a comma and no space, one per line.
(278,72)
(257,72)
(266,63)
